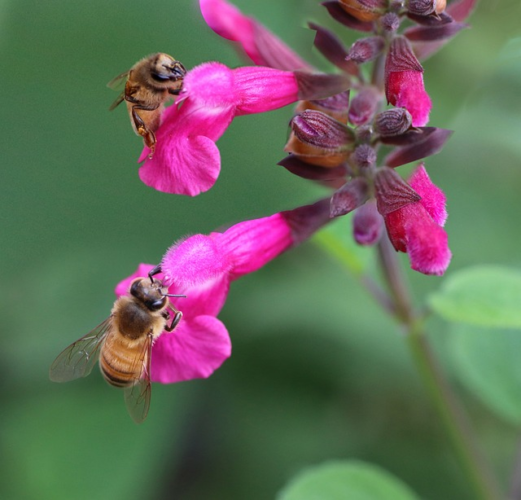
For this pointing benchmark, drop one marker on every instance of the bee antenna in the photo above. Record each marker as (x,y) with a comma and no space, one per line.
(173,295)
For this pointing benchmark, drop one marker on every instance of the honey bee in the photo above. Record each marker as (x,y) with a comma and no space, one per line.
(123,344)
(149,84)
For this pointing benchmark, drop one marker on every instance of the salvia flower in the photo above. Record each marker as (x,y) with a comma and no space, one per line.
(186,160)
(202,268)
(404,86)
(414,217)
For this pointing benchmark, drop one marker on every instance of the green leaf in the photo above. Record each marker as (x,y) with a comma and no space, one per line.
(482,296)
(487,362)
(351,480)
(337,240)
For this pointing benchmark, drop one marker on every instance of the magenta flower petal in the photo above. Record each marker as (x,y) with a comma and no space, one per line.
(428,248)
(432,197)
(412,230)
(259,43)
(259,89)
(195,349)
(252,244)
(405,89)
(186,160)
(193,261)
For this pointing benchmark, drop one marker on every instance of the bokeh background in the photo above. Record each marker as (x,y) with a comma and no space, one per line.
(317,370)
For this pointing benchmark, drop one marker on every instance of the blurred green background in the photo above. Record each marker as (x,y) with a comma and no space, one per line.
(317,371)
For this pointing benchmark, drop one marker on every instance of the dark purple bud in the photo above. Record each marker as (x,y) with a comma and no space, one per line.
(333,49)
(392,192)
(320,130)
(393,122)
(350,196)
(320,85)
(391,22)
(304,221)
(434,33)
(427,143)
(439,20)
(341,16)
(312,172)
(367,224)
(366,49)
(421,7)
(364,156)
(364,106)
(364,133)
(364,10)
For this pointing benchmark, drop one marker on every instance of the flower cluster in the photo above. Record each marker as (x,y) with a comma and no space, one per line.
(349,132)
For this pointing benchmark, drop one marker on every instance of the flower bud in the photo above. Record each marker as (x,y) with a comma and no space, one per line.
(392,192)
(336,106)
(364,156)
(392,122)
(426,7)
(319,139)
(363,10)
(364,105)
(391,22)
(350,196)
(366,49)
(367,224)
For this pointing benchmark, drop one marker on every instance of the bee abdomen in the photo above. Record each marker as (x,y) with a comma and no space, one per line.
(118,362)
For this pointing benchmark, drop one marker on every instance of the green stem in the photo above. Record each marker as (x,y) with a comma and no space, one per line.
(447,405)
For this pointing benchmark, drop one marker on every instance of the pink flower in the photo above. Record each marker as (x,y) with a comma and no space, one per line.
(259,43)
(416,227)
(202,267)
(186,159)
(404,86)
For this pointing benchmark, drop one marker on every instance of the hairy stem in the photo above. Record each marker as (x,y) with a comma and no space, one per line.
(447,405)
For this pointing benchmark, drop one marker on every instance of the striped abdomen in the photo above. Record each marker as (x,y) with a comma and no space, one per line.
(122,360)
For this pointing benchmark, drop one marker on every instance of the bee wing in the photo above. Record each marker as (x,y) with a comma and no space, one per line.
(137,396)
(79,358)
(118,83)
(118,101)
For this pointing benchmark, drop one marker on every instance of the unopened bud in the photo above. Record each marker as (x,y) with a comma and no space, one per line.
(364,134)
(364,10)
(393,122)
(364,156)
(392,192)
(391,22)
(367,224)
(426,7)
(319,139)
(350,196)
(318,129)
(364,106)
(336,106)
(366,49)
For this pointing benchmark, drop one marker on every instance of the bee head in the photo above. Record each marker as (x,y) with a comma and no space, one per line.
(165,68)
(149,293)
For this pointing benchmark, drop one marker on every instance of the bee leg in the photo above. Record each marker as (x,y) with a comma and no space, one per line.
(177,318)
(153,272)
(147,134)
(174,91)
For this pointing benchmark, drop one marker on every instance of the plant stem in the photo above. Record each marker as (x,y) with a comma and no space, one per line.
(447,405)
